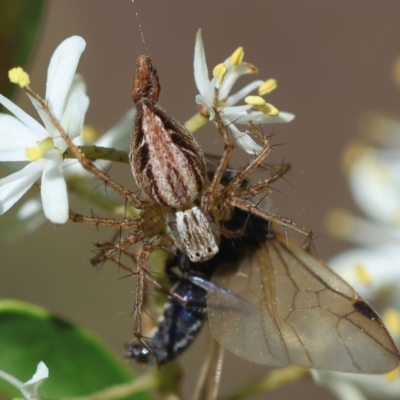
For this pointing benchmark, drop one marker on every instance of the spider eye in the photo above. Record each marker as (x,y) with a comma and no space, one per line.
(209,250)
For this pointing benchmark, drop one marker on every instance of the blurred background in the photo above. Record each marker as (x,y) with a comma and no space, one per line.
(332,60)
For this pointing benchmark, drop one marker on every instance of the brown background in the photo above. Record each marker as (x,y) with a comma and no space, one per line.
(332,60)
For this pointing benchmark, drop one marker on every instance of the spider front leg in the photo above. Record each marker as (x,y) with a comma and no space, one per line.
(239,178)
(123,244)
(130,197)
(208,198)
(140,290)
(125,223)
(261,187)
(286,222)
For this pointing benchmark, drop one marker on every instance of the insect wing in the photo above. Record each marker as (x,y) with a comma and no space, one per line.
(282,306)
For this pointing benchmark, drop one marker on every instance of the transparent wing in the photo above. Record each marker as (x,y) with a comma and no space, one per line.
(282,306)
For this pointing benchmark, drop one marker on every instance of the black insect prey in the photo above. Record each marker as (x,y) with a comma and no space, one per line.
(180,324)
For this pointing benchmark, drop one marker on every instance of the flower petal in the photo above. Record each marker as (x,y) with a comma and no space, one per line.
(374,190)
(74,115)
(37,130)
(233,74)
(258,116)
(201,100)
(29,389)
(61,72)
(341,388)
(54,192)
(118,136)
(14,186)
(200,66)
(49,127)
(243,140)
(15,137)
(378,262)
(242,93)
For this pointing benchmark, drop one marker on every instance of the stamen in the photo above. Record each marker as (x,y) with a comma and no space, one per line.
(391,317)
(396,71)
(340,223)
(259,103)
(19,77)
(89,134)
(255,101)
(34,153)
(351,154)
(236,57)
(393,375)
(363,274)
(267,87)
(219,72)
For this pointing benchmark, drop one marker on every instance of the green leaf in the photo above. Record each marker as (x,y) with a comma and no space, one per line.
(19,25)
(79,364)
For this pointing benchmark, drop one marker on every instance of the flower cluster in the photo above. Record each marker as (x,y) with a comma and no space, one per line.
(40,147)
(225,75)
(372,164)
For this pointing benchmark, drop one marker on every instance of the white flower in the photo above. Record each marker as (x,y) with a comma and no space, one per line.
(29,389)
(22,138)
(373,167)
(225,75)
(29,216)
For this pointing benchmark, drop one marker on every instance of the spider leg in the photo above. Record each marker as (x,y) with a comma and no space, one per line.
(210,194)
(123,244)
(140,290)
(239,178)
(260,187)
(286,222)
(126,223)
(130,197)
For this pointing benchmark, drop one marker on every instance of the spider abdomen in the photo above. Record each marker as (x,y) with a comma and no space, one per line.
(166,160)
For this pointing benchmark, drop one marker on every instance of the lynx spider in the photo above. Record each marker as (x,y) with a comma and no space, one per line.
(211,201)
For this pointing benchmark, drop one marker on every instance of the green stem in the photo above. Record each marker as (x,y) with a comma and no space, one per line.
(273,380)
(144,382)
(196,122)
(101,153)
(87,190)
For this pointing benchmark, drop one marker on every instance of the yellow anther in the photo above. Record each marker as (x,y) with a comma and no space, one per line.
(19,77)
(34,153)
(396,71)
(219,72)
(393,375)
(236,57)
(89,134)
(260,104)
(340,223)
(255,101)
(363,274)
(267,87)
(391,318)
(352,153)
